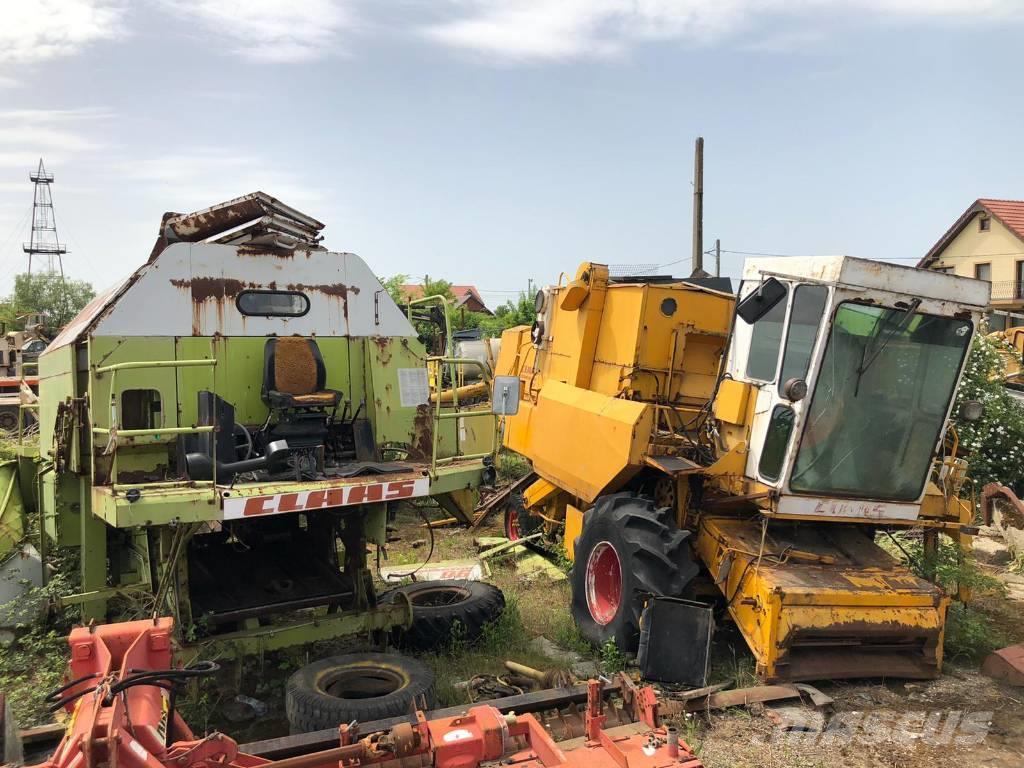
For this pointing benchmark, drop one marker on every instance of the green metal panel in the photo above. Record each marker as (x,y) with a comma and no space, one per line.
(62,507)
(12,514)
(238,376)
(56,384)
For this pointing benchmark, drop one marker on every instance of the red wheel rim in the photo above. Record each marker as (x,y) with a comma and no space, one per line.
(512,532)
(604,583)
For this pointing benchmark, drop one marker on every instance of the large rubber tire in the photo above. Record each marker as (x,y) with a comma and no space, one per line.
(438,606)
(518,522)
(652,556)
(356,686)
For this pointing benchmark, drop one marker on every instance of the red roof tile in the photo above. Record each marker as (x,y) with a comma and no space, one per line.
(1009,212)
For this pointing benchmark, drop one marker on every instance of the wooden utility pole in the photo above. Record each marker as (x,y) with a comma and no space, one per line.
(718,257)
(698,205)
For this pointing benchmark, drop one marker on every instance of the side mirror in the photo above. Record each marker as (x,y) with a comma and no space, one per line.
(972,410)
(505,395)
(759,303)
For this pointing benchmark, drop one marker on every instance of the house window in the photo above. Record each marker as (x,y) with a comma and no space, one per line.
(1018,287)
(984,223)
(983,272)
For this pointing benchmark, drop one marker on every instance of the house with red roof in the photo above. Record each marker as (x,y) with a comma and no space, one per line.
(987,242)
(466,297)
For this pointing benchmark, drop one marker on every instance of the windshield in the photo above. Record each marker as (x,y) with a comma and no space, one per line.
(880,401)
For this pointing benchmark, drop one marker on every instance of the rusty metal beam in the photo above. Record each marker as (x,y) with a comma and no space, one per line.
(304,743)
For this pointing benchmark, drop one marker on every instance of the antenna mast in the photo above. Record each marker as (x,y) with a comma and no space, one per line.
(43,240)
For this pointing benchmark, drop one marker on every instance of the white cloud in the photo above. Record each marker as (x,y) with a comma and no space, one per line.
(567,29)
(193,178)
(55,135)
(35,30)
(270,30)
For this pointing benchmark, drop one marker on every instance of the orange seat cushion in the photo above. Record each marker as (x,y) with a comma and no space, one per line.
(294,367)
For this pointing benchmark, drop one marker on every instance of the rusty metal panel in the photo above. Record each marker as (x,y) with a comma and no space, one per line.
(195,287)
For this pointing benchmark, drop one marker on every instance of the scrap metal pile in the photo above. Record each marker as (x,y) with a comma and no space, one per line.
(121,701)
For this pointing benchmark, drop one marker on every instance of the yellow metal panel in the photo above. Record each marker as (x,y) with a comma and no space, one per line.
(731,401)
(573,528)
(820,600)
(584,442)
(538,491)
(618,338)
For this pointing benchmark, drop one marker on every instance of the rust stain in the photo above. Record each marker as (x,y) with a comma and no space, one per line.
(331,289)
(422,444)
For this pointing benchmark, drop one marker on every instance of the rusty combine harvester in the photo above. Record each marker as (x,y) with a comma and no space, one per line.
(761,439)
(222,434)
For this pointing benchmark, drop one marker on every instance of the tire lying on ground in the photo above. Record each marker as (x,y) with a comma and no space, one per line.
(356,686)
(628,550)
(438,606)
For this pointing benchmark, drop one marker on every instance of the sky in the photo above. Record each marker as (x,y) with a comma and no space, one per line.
(498,142)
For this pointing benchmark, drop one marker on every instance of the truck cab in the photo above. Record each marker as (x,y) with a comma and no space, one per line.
(851,367)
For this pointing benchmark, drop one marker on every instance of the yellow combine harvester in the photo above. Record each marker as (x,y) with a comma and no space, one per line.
(764,438)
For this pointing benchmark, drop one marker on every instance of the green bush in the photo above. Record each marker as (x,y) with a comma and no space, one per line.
(994,445)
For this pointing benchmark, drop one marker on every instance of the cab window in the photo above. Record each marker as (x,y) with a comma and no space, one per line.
(804,319)
(765,341)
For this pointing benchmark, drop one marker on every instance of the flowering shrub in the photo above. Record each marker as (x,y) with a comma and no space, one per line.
(994,445)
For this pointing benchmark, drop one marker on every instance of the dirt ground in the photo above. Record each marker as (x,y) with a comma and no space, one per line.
(962,716)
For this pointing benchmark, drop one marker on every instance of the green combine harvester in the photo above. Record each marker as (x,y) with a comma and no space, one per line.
(221,434)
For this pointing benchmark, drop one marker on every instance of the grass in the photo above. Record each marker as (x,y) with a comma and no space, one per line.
(511,466)
(33,663)
(971,632)
(504,639)
(612,659)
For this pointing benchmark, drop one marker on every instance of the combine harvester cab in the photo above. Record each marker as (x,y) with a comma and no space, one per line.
(763,438)
(229,425)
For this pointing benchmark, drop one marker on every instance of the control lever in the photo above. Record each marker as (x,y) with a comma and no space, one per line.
(199,466)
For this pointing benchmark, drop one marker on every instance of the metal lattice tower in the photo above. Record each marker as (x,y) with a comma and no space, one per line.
(43,241)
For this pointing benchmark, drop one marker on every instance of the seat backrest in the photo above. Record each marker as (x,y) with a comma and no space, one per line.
(293,365)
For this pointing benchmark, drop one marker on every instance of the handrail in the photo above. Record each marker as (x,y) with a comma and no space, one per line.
(114,432)
(449,341)
(135,364)
(485,373)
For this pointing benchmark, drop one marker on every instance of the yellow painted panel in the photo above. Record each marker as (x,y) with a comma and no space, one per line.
(573,528)
(538,491)
(582,441)
(863,592)
(731,401)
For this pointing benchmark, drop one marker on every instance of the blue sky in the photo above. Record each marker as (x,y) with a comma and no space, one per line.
(496,141)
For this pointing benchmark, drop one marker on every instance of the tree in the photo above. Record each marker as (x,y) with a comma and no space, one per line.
(56,298)
(393,285)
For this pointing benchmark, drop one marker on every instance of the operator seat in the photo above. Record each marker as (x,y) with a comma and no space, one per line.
(294,377)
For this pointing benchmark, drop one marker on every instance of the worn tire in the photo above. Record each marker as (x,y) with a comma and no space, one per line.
(651,554)
(356,686)
(438,606)
(518,522)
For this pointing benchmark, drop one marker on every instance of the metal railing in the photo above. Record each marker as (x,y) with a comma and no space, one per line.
(1007,290)
(114,433)
(456,413)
